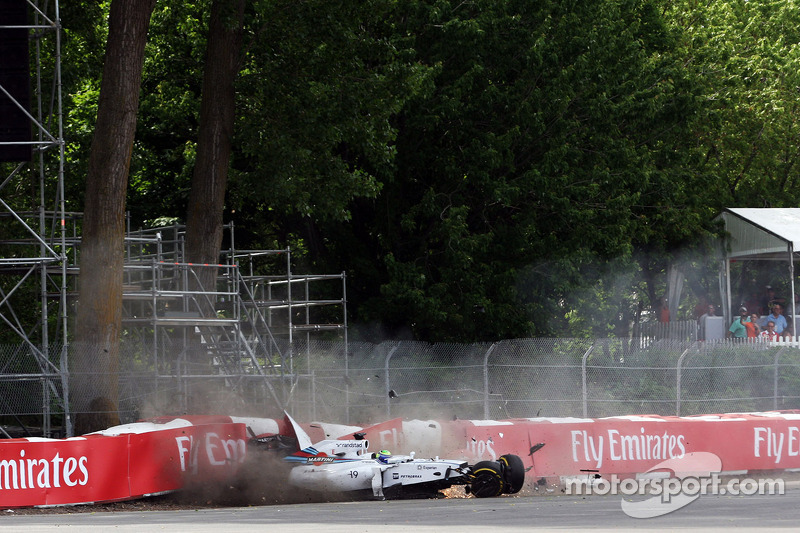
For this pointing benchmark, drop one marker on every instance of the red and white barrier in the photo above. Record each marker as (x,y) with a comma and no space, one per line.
(623,445)
(165,454)
(118,464)
(633,444)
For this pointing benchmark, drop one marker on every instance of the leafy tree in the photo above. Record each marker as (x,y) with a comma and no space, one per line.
(746,56)
(167,136)
(481,170)
(314,133)
(549,141)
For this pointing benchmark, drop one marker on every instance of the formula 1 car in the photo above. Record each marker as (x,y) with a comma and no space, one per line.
(348,466)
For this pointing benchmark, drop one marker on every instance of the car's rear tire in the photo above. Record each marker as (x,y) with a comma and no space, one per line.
(513,473)
(488,479)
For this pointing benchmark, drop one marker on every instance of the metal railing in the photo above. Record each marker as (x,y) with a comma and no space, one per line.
(362,382)
(526,378)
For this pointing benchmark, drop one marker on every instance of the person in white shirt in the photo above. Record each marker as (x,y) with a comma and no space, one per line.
(769,333)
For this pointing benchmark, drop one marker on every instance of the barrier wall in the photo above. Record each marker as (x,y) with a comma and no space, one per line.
(118,464)
(633,444)
(624,445)
(165,454)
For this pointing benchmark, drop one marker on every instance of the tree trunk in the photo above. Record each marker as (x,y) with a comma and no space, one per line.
(96,351)
(207,196)
(217,113)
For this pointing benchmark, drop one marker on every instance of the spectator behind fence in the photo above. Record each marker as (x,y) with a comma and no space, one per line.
(753,303)
(663,310)
(770,334)
(770,300)
(766,300)
(753,329)
(738,330)
(776,316)
(701,322)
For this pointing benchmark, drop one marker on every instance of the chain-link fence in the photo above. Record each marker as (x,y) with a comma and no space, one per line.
(525,378)
(363,382)
(31,386)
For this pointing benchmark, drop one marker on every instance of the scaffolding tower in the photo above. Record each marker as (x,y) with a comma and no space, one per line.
(262,311)
(33,222)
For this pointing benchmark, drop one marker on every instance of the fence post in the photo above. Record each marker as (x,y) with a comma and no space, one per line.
(775,379)
(486,415)
(314,395)
(65,387)
(583,379)
(678,383)
(45,408)
(388,385)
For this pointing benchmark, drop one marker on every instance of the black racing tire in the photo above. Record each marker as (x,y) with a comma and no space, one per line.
(513,472)
(487,479)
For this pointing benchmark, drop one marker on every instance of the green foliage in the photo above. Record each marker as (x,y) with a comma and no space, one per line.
(162,167)
(85,30)
(746,56)
(543,154)
(317,90)
(481,170)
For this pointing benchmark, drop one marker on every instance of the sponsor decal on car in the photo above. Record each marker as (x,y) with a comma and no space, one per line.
(317,460)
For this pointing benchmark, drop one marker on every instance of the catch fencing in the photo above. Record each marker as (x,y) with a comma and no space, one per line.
(525,378)
(359,383)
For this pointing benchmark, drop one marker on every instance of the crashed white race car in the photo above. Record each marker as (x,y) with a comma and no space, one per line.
(348,466)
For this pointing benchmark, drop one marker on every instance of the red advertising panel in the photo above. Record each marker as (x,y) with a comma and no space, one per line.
(99,468)
(624,445)
(384,435)
(166,460)
(52,472)
(144,458)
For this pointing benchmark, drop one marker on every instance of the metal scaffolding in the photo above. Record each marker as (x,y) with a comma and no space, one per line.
(34,261)
(260,308)
(248,338)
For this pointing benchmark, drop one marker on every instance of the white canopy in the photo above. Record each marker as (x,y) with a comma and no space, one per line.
(760,233)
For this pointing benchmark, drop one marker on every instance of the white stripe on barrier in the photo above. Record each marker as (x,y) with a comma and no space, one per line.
(635,418)
(142,427)
(45,439)
(566,420)
(773,414)
(712,418)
